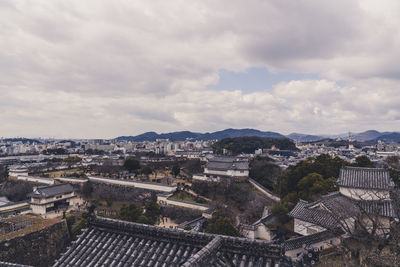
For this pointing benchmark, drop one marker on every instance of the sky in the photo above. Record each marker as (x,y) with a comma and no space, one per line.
(101,69)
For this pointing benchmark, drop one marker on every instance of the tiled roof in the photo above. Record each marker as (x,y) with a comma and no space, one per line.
(325,212)
(383,208)
(329,210)
(52,190)
(234,165)
(308,240)
(365,178)
(10,264)
(108,242)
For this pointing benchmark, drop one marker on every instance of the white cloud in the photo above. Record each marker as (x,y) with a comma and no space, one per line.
(102,69)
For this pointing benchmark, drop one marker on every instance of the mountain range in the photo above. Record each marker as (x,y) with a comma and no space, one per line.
(370,135)
(184,135)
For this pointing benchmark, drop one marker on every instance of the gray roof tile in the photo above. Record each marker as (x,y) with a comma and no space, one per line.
(52,190)
(309,240)
(365,178)
(107,242)
(325,212)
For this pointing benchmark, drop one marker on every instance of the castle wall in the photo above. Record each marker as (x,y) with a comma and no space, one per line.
(39,248)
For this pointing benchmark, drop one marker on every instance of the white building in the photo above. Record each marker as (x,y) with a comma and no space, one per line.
(362,192)
(220,167)
(45,199)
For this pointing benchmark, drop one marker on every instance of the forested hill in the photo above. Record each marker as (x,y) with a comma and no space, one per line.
(248,144)
(181,136)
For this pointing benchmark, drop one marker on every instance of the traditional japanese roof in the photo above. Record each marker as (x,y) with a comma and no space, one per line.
(52,190)
(365,178)
(109,242)
(10,264)
(309,240)
(327,212)
(227,163)
(382,208)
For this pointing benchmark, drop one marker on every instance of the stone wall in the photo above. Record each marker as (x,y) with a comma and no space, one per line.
(165,200)
(136,184)
(39,248)
(265,191)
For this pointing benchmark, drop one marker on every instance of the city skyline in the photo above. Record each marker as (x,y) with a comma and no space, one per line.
(102,70)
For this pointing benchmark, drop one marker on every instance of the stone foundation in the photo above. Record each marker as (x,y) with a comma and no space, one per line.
(39,248)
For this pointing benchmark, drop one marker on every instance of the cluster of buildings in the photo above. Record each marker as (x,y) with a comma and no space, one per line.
(44,200)
(40,149)
(364,202)
(19,146)
(224,167)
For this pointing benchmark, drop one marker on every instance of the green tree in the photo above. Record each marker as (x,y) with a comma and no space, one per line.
(290,200)
(264,171)
(248,144)
(176,170)
(131,164)
(3,173)
(152,212)
(130,213)
(70,222)
(222,226)
(187,228)
(143,219)
(324,165)
(146,170)
(280,211)
(306,183)
(364,161)
(323,187)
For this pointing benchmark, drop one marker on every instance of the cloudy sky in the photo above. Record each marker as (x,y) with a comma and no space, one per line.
(100,69)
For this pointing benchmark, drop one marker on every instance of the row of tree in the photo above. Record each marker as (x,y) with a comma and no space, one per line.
(309,180)
(133,165)
(134,213)
(248,144)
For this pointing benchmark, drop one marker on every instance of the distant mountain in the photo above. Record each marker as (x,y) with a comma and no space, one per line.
(368,135)
(152,136)
(304,137)
(371,135)
(23,140)
(231,133)
(183,135)
(389,138)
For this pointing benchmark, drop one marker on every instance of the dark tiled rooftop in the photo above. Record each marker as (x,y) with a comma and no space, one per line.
(325,212)
(383,208)
(365,178)
(108,242)
(52,190)
(299,242)
(9,264)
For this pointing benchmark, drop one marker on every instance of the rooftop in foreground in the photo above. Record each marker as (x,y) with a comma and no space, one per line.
(109,242)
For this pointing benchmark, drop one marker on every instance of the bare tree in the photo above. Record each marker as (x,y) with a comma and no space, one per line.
(366,222)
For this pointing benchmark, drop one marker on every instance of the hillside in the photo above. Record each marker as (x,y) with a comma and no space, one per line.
(248,144)
(370,135)
(183,135)
(388,138)
(367,135)
(304,137)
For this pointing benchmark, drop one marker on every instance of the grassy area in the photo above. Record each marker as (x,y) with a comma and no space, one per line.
(54,174)
(183,196)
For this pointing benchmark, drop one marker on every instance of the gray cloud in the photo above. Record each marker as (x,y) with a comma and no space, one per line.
(70,68)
